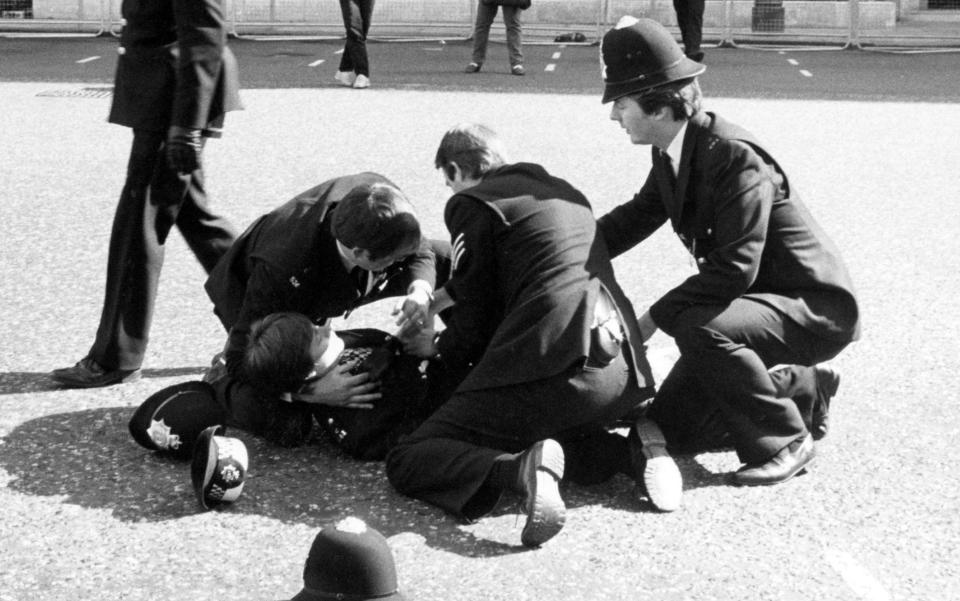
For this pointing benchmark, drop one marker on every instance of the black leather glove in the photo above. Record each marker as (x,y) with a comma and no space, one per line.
(184,147)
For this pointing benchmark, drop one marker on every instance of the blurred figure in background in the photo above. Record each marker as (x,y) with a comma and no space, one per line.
(354,70)
(486,11)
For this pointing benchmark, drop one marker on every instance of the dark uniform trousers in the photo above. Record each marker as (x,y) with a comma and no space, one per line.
(725,355)
(447,459)
(690,20)
(153,200)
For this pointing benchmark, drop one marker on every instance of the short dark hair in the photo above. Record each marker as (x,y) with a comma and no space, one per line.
(476,148)
(277,356)
(683,97)
(377,218)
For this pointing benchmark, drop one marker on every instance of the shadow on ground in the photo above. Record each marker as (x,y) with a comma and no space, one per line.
(17,382)
(89,458)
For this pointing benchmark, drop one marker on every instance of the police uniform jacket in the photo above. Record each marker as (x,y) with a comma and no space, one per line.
(734,209)
(288,260)
(174,66)
(527,271)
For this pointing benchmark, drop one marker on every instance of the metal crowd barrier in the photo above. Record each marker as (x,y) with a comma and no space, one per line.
(743,23)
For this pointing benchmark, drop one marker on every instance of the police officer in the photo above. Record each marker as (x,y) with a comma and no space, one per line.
(770,288)
(550,345)
(175,80)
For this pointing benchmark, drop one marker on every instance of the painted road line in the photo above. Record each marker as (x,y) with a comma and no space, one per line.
(555,56)
(806,73)
(857,577)
(317,62)
(339,51)
(87,60)
(551,67)
(792,62)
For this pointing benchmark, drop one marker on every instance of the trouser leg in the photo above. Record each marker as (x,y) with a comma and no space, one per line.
(208,234)
(514,25)
(481,30)
(729,350)
(447,460)
(356,21)
(690,19)
(147,209)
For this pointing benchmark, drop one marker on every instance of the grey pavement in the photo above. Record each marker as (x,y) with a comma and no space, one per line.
(87,514)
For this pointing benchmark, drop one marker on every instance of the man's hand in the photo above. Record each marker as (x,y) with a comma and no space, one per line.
(413,311)
(184,148)
(338,388)
(421,343)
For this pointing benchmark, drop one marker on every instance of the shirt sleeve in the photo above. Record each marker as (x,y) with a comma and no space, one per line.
(473,282)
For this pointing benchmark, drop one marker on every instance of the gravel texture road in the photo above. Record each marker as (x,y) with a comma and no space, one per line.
(88,514)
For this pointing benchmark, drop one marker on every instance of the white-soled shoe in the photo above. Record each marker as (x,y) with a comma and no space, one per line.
(656,472)
(361,82)
(346,78)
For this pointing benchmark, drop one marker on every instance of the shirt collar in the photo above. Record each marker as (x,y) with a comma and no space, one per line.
(675,149)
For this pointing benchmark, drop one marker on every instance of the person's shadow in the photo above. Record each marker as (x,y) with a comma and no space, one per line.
(89,458)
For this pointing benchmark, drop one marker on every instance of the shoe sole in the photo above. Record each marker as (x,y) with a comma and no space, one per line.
(828,382)
(67,382)
(661,476)
(546,512)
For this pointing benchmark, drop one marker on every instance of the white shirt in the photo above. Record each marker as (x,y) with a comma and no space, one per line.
(675,149)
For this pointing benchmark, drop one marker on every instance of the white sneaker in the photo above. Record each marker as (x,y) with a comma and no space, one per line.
(362,82)
(345,78)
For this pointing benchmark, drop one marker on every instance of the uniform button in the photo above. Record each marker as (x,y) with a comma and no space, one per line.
(701,260)
(121,50)
(709,232)
(123,21)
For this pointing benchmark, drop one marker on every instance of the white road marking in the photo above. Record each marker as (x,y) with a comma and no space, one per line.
(317,62)
(857,577)
(339,51)
(792,62)
(550,67)
(555,56)
(806,73)
(87,60)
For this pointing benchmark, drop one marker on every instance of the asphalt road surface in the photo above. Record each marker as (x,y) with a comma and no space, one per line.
(85,513)
(798,72)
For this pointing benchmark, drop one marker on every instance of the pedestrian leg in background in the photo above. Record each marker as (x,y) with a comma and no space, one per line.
(481,35)
(511,18)
(690,20)
(354,70)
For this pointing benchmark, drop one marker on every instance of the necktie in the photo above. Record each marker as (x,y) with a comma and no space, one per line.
(360,279)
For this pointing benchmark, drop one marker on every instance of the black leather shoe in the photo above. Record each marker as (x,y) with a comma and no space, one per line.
(828,381)
(655,471)
(790,461)
(473,68)
(87,373)
(541,469)
(696,56)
